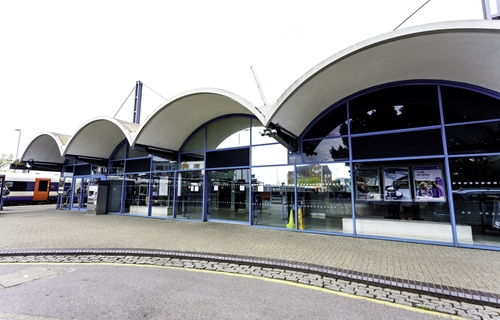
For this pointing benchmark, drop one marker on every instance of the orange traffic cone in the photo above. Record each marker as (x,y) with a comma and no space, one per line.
(291,220)
(301,220)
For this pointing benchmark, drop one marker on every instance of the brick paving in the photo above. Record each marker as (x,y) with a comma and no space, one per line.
(458,281)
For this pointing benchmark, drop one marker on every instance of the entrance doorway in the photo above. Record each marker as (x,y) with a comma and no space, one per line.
(228,197)
(80,193)
(190,195)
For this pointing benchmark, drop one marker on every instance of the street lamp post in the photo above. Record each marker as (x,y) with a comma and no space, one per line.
(18,141)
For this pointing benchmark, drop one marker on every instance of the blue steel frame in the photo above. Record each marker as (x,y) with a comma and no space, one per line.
(445,156)
(344,102)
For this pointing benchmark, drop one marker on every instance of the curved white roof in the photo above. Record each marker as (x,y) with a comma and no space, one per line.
(98,137)
(170,125)
(462,51)
(46,147)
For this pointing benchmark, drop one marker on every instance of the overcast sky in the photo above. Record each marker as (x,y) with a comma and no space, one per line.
(63,63)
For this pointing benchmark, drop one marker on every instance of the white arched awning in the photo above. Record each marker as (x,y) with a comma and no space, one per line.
(98,137)
(170,125)
(46,147)
(462,51)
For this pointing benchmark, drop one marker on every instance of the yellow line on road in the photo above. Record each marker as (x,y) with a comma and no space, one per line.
(280,281)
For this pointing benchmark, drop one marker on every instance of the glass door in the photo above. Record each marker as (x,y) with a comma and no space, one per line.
(162,202)
(66,195)
(190,195)
(80,193)
(228,195)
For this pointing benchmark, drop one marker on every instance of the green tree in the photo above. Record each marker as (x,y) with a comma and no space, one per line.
(309,181)
(5,161)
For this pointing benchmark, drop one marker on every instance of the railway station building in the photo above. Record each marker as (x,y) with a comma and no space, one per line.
(396,137)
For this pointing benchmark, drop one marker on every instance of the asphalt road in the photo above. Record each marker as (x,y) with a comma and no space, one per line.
(105,291)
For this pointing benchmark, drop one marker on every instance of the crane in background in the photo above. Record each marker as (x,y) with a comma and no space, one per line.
(258,85)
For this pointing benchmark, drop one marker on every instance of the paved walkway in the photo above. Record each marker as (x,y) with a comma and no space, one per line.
(448,271)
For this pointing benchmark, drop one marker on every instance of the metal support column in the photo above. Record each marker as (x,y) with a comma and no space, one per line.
(137,102)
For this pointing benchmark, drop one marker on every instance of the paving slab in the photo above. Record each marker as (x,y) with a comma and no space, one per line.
(416,266)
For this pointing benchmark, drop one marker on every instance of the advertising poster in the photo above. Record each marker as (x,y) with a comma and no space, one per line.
(429,183)
(396,184)
(367,184)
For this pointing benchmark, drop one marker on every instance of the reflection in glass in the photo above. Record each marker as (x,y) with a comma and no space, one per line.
(324,194)
(394,108)
(476,197)
(326,150)
(273,195)
(229,195)
(163,195)
(461,105)
(333,124)
(401,144)
(473,138)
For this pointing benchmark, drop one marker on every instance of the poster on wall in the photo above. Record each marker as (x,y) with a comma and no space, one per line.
(429,183)
(163,186)
(396,184)
(367,184)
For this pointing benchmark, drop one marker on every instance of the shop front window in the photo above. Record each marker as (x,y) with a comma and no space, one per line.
(163,194)
(190,195)
(229,195)
(273,192)
(476,197)
(404,199)
(324,195)
(137,194)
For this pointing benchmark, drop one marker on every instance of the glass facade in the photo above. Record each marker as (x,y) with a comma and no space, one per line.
(419,175)
(413,161)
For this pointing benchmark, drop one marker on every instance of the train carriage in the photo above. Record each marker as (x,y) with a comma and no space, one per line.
(31,187)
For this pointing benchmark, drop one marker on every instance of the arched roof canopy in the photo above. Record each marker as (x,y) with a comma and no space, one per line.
(45,150)
(97,138)
(167,127)
(462,51)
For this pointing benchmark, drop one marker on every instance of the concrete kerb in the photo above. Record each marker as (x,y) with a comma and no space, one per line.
(422,288)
